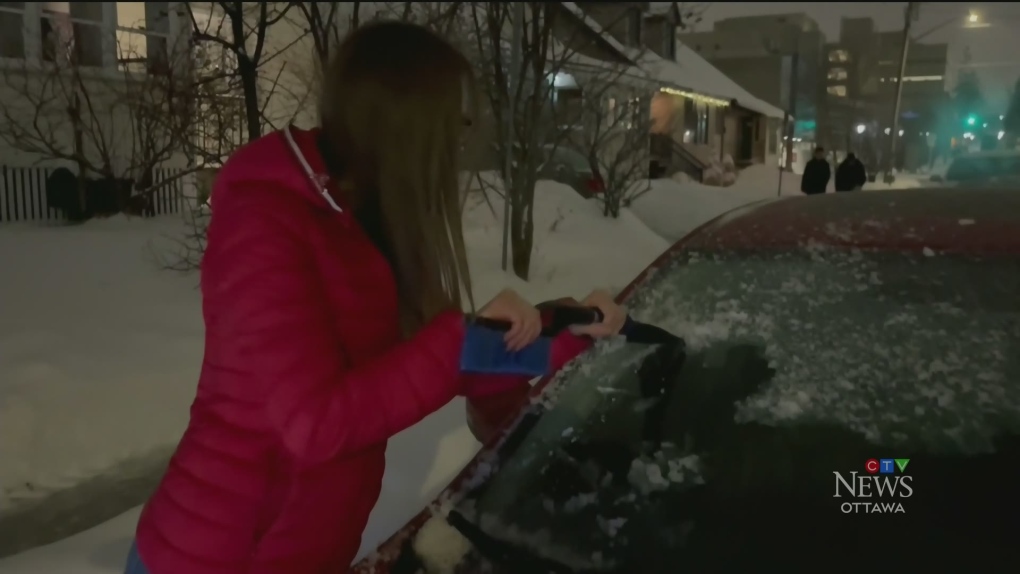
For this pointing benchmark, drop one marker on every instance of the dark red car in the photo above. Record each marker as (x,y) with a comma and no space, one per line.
(848,398)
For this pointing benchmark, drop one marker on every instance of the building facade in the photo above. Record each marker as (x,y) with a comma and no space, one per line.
(862,70)
(699,115)
(778,58)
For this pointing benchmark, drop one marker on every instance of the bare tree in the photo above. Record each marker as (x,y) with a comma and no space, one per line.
(237,51)
(616,138)
(236,34)
(116,125)
(517,96)
(323,23)
(551,46)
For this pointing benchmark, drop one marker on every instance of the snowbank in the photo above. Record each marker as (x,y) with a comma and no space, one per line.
(102,351)
(575,246)
(673,208)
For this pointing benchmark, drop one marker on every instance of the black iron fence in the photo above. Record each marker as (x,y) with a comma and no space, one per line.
(23,194)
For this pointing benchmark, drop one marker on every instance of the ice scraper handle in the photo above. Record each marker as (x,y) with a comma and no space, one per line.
(555,318)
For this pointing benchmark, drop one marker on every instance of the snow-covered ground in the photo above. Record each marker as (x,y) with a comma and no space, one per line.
(101,348)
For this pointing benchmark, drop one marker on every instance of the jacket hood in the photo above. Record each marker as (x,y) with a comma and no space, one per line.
(289,158)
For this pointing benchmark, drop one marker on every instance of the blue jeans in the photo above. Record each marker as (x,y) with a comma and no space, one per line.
(134,563)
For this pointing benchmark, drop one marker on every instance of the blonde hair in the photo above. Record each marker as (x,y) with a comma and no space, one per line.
(392,111)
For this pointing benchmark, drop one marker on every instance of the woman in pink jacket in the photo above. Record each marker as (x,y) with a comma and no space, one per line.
(331,292)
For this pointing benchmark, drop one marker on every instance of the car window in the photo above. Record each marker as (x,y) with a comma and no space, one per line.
(838,354)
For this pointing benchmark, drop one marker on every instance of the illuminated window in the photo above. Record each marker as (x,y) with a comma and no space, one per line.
(922,78)
(143,35)
(839,91)
(93,34)
(839,56)
(72,31)
(837,74)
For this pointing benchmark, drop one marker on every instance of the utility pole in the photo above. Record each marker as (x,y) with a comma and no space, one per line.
(511,109)
(894,131)
(789,118)
(792,119)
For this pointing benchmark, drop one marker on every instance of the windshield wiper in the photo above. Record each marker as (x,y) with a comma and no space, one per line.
(507,554)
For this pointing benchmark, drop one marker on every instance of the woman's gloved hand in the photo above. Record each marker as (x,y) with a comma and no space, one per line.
(613,316)
(524,318)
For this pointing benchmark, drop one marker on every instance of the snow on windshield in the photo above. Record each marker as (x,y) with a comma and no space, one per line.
(877,343)
(914,350)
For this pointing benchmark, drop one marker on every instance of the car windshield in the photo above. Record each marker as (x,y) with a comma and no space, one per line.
(980,168)
(568,157)
(863,352)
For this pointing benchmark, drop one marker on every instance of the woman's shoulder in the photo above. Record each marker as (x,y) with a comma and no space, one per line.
(261,173)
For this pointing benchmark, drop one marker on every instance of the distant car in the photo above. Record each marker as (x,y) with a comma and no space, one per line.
(986,169)
(852,368)
(569,167)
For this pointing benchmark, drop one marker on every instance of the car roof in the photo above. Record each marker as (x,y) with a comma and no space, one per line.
(990,153)
(943,220)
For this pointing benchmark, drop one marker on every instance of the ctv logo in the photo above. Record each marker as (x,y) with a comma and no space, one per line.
(879,490)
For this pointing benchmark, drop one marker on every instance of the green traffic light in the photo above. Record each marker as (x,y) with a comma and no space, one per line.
(971,120)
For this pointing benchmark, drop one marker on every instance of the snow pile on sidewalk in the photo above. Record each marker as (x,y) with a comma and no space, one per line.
(672,209)
(102,351)
(575,247)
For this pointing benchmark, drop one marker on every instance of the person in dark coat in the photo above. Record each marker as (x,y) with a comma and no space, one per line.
(851,175)
(816,174)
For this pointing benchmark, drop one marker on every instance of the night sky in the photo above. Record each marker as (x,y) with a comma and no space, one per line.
(994,48)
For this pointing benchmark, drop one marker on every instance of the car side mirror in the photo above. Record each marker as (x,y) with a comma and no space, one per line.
(936,178)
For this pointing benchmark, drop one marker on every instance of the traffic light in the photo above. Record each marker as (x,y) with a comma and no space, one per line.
(971,120)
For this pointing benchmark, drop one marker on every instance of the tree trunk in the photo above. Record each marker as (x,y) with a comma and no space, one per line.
(248,73)
(522,228)
(74,113)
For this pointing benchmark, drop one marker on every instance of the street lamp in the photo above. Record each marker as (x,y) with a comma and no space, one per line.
(860,128)
(973,21)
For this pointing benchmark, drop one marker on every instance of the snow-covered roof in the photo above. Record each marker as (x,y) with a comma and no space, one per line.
(576,10)
(588,67)
(633,75)
(690,71)
(689,64)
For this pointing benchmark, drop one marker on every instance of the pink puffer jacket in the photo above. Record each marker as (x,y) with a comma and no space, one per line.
(305,377)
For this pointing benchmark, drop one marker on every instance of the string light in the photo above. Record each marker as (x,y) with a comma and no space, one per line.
(696,97)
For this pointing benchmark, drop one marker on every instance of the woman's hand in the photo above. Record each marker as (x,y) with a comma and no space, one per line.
(524,318)
(613,316)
